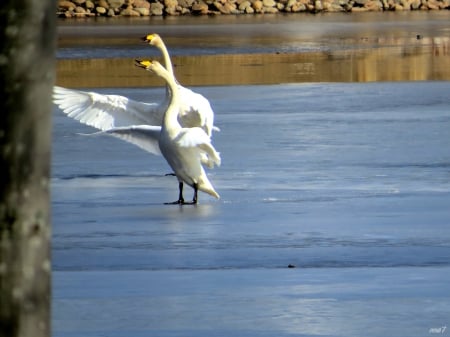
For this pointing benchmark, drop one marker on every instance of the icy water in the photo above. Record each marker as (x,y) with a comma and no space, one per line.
(334,219)
(350,183)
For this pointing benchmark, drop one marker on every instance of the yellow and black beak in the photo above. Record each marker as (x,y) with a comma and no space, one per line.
(148,38)
(142,63)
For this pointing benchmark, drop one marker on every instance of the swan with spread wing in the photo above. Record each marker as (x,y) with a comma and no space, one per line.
(110,111)
(195,108)
(184,148)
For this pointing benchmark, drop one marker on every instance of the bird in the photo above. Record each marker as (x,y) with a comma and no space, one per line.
(195,108)
(184,148)
(111,111)
(115,112)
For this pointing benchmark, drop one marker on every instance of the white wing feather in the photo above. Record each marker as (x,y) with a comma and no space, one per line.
(195,111)
(106,111)
(196,137)
(144,136)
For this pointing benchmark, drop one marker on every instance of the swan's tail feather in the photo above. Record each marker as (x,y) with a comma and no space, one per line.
(211,192)
(205,185)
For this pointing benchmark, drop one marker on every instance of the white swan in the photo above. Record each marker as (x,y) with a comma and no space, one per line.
(195,108)
(111,111)
(185,149)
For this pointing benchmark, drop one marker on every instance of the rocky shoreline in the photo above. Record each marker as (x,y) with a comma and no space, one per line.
(134,8)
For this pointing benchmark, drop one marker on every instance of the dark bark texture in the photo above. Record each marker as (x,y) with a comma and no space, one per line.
(27,48)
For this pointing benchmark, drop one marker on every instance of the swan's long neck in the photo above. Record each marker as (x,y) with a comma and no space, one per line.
(171,123)
(167,62)
(166,57)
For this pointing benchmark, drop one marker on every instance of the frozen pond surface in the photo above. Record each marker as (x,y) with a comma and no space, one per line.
(350,183)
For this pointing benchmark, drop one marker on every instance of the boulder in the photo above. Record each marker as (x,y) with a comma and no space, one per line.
(333,6)
(142,11)
(80,10)
(102,3)
(65,4)
(170,3)
(257,6)
(100,10)
(141,4)
(226,8)
(172,10)
(185,3)
(269,3)
(290,3)
(200,8)
(130,12)
(374,5)
(298,7)
(116,3)
(156,8)
(244,4)
(219,7)
(433,4)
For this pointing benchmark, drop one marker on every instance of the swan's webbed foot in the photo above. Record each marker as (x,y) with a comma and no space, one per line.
(178,202)
(193,202)
(170,174)
(181,201)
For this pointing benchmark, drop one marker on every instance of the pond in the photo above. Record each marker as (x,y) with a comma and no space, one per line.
(333,218)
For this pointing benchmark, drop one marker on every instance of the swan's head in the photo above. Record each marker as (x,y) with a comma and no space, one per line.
(152,39)
(150,65)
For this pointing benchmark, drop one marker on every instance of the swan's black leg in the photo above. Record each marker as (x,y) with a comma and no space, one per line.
(194,200)
(180,196)
(180,200)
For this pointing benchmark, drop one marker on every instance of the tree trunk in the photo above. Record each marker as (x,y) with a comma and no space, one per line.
(27,47)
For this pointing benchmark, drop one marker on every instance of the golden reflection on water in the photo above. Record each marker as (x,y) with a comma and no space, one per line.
(427,60)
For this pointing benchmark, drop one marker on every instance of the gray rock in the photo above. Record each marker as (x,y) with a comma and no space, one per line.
(200,8)
(156,8)
(243,5)
(65,4)
(116,3)
(100,10)
(269,3)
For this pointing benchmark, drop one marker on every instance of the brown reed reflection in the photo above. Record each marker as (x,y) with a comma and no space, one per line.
(386,60)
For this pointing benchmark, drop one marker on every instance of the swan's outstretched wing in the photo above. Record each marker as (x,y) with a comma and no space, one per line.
(106,111)
(195,111)
(144,136)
